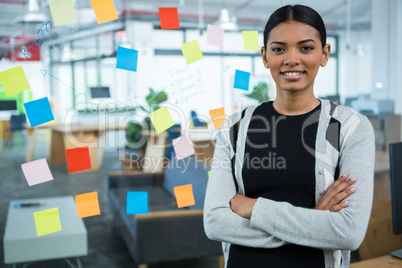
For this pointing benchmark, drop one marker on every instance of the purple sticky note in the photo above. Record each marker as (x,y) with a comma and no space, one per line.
(183,147)
(215,35)
(37,171)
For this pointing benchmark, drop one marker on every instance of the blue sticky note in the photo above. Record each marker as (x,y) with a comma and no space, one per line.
(137,202)
(126,59)
(242,80)
(38,111)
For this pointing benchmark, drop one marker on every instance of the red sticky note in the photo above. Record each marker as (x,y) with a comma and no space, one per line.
(78,159)
(169,18)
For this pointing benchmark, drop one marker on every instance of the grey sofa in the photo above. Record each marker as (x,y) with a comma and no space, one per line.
(166,233)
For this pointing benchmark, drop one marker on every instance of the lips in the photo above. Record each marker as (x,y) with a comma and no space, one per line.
(292,75)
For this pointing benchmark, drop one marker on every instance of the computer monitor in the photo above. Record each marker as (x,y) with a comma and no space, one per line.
(395,157)
(100,92)
(8,105)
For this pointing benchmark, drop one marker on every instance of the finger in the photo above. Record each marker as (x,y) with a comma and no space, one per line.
(337,183)
(346,184)
(339,206)
(341,196)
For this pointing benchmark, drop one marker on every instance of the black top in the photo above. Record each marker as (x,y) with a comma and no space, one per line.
(278,167)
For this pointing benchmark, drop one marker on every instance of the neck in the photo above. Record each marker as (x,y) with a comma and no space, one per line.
(294,104)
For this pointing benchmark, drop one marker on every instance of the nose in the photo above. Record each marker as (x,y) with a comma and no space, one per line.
(291,57)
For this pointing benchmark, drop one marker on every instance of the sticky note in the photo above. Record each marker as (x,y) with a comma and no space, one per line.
(183,146)
(217,116)
(87,204)
(78,159)
(37,171)
(191,51)
(47,221)
(241,80)
(215,35)
(104,10)
(250,39)
(169,18)
(161,119)
(137,202)
(126,59)
(14,81)
(63,12)
(184,195)
(38,111)
(209,173)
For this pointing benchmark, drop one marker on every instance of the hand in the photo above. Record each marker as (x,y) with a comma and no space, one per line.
(336,193)
(242,205)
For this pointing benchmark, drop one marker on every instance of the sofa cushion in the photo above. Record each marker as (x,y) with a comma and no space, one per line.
(188,171)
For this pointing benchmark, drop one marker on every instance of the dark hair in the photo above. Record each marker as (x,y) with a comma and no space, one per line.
(299,13)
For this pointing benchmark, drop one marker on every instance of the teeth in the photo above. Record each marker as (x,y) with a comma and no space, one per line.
(293,73)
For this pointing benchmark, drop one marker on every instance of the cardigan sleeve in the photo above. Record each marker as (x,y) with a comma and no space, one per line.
(220,222)
(324,229)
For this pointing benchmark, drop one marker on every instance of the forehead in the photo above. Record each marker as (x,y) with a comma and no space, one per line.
(293,32)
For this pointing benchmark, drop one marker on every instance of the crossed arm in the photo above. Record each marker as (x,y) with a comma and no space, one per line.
(265,223)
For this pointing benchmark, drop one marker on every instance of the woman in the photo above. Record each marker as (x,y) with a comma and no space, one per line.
(275,196)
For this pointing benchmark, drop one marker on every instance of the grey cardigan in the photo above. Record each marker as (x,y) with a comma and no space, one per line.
(274,224)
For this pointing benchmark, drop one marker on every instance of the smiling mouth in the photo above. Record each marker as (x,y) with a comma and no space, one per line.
(292,75)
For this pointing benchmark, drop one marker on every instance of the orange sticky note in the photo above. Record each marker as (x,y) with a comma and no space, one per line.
(169,18)
(217,116)
(78,159)
(184,195)
(104,10)
(87,204)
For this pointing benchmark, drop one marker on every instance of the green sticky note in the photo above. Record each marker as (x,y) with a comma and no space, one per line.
(250,39)
(47,221)
(161,119)
(209,173)
(191,51)
(63,12)
(14,81)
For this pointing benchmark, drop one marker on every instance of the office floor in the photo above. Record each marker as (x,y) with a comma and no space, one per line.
(106,248)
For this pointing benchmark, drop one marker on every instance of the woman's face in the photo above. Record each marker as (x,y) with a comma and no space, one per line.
(294,54)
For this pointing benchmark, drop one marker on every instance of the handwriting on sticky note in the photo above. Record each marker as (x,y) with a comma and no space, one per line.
(104,10)
(241,80)
(126,59)
(37,171)
(47,221)
(184,195)
(183,147)
(215,35)
(169,18)
(250,39)
(87,204)
(78,159)
(14,81)
(161,119)
(217,116)
(63,12)
(39,111)
(137,202)
(191,51)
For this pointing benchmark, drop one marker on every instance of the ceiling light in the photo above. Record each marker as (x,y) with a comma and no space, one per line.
(33,14)
(225,21)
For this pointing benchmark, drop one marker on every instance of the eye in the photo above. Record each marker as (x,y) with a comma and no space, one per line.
(307,48)
(277,49)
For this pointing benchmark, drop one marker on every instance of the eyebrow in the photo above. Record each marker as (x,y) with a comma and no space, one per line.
(301,42)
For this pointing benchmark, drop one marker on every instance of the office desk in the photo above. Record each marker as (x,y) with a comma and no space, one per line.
(381,262)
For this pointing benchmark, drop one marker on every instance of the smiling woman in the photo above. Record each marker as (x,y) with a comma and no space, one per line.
(299,215)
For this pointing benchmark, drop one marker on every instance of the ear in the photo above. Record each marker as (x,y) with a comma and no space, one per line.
(325,55)
(264,57)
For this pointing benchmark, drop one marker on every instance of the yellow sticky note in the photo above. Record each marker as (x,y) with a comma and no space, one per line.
(14,81)
(250,39)
(161,119)
(63,12)
(47,221)
(209,173)
(184,195)
(217,116)
(104,10)
(191,51)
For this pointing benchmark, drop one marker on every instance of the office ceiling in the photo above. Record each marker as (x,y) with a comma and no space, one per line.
(249,13)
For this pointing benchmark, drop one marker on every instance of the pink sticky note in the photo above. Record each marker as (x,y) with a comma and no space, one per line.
(37,171)
(183,147)
(215,35)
